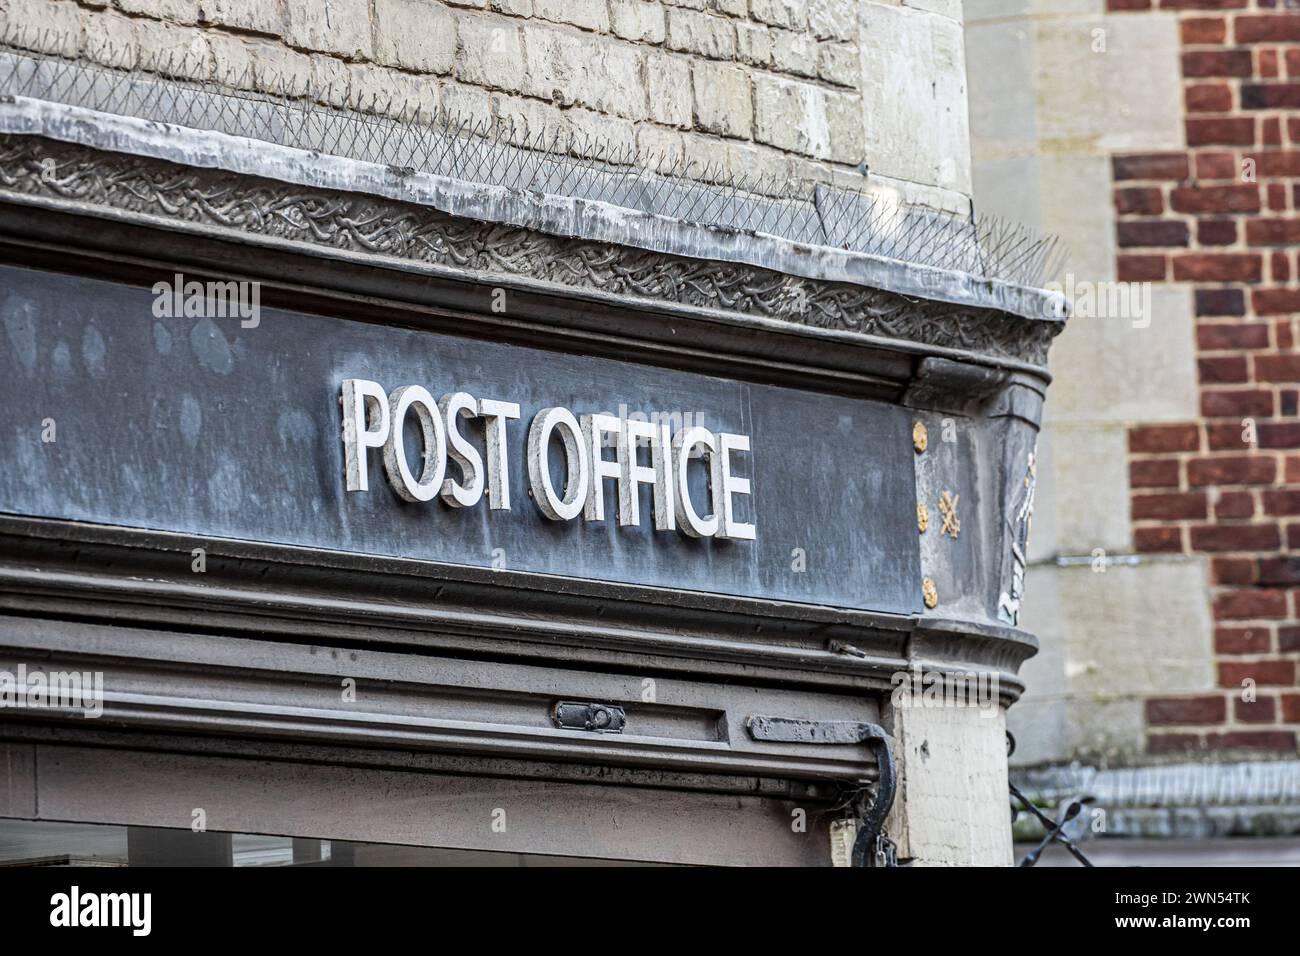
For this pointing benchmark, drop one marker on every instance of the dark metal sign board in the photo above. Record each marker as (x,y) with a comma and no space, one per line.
(219,428)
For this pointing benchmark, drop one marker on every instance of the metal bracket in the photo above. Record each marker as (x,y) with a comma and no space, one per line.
(596,718)
(871,847)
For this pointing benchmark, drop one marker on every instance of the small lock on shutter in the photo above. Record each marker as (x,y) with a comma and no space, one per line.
(596,718)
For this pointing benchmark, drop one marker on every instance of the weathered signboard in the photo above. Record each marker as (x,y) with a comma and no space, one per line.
(309,430)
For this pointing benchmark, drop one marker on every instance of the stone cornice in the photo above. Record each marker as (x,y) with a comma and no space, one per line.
(41,156)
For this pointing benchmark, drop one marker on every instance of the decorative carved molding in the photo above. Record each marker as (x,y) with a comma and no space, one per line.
(41,167)
(47,566)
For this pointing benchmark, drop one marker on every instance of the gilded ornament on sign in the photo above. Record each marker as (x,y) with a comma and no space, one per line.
(948,508)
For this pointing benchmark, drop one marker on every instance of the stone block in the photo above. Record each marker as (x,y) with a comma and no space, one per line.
(603,136)
(638,20)
(255,16)
(951,806)
(833,19)
(44,26)
(914,96)
(723,104)
(794,53)
(415,35)
(329,26)
(791,115)
(181,52)
(754,44)
(1115,369)
(944,8)
(464,102)
(1110,640)
(733,8)
(587,14)
(839,63)
(110,39)
(693,32)
(668,83)
(1110,58)
(790,14)
(175,11)
(573,69)
(491,54)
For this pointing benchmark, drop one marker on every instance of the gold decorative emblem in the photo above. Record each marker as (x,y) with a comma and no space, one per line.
(948,508)
(929,593)
(922,517)
(920,438)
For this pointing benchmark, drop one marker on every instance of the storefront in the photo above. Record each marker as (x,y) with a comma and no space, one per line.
(392,510)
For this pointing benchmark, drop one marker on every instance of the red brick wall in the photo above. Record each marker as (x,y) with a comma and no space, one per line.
(1205,486)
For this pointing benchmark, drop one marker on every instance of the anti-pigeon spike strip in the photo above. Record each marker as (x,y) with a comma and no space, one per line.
(504,152)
